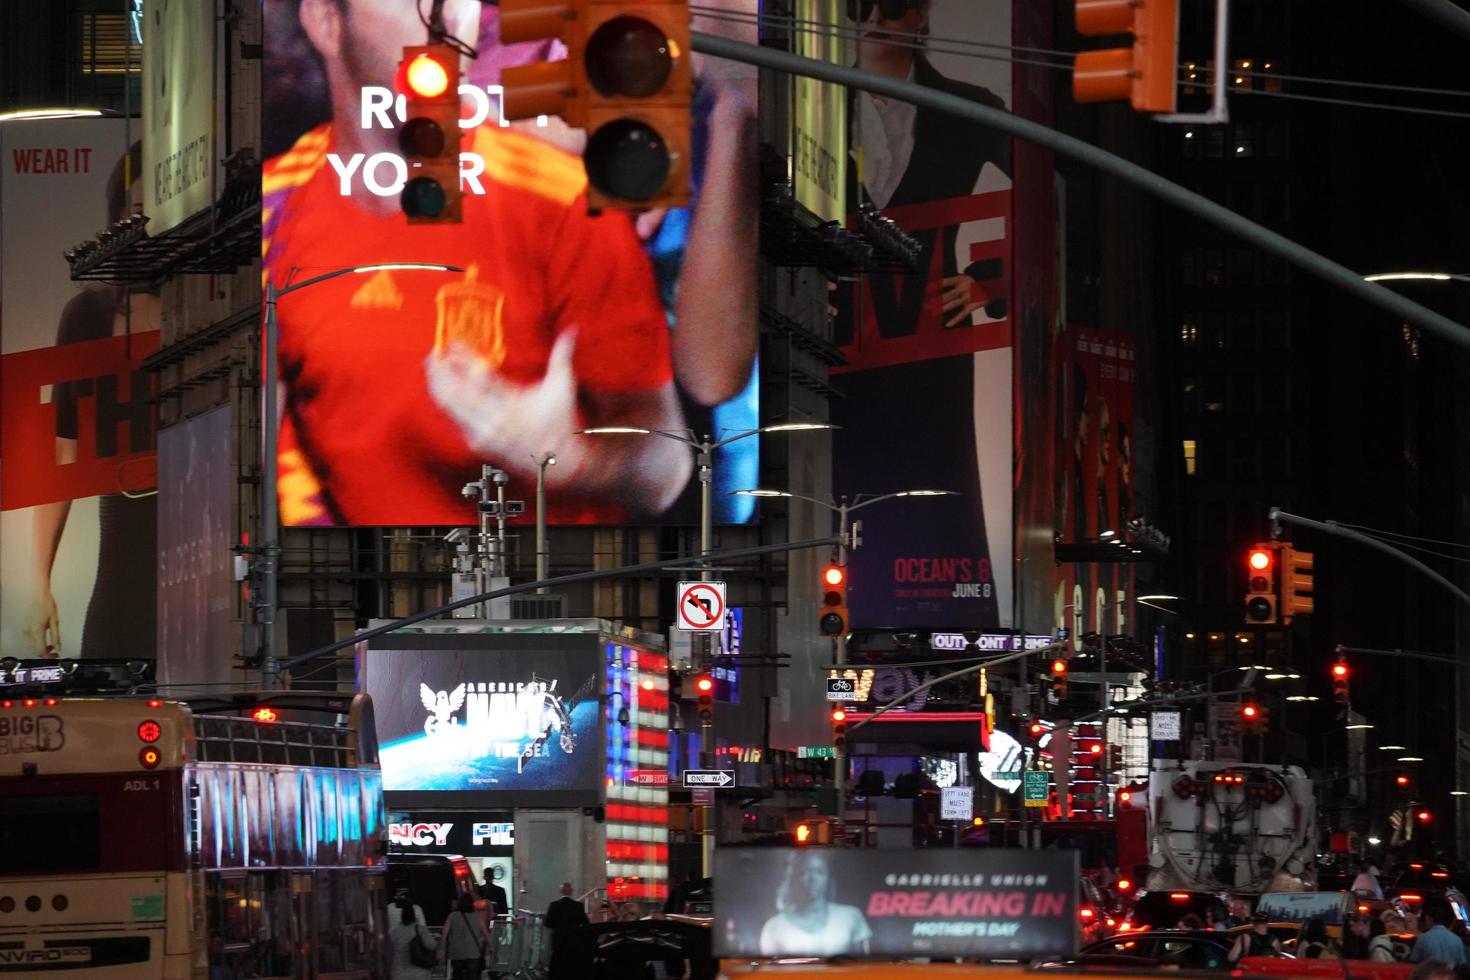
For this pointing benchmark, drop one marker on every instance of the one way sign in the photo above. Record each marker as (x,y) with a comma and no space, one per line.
(708,777)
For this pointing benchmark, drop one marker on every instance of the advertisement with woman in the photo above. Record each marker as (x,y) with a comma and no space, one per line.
(927,384)
(78,464)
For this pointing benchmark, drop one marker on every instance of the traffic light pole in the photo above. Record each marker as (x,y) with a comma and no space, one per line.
(839,649)
(1337,530)
(1146,180)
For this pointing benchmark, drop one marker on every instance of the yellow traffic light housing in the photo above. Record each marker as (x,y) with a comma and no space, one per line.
(626,80)
(1145,74)
(1296,583)
(428,80)
(1261,576)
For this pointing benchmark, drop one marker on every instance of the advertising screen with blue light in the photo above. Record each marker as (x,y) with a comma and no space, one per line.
(463,717)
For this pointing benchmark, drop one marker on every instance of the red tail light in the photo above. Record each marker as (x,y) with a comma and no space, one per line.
(1179,896)
(1407,897)
(149,731)
(50,702)
(29,702)
(264,714)
(1087,913)
(155,703)
(1124,884)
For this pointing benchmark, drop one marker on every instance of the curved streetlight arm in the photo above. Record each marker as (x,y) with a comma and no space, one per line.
(291,287)
(787,493)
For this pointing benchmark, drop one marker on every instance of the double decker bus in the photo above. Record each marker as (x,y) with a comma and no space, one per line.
(142,837)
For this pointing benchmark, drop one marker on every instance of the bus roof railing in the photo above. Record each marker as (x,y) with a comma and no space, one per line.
(246,727)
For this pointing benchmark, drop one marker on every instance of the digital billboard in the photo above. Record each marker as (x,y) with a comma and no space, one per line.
(77,442)
(927,383)
(561,320)
(974,903)
(178,110)
(463,717)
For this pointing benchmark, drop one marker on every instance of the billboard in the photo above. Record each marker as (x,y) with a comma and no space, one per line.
(462,717)
(196,587)
(77,460)
(895,903)
(178,110)
(819,171)
(928,379)
(1094,473)
(560,321)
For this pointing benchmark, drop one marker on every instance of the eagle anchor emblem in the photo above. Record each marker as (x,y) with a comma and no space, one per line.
(441,707)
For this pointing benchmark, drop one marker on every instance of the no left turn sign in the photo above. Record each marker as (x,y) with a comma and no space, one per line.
(701,607)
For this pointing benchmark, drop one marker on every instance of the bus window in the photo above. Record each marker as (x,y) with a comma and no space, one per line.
(72,840)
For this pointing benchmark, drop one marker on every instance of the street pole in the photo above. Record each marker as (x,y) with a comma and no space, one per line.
(541,556)
(270,532)
(839,644)
(704,462)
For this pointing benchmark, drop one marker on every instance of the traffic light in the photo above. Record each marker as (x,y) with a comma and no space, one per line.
(1059,678)
(1145,74)
(839,728)
(1340,682)
(428,80)
(626,81)
(704,688)
(1423,816)
(803,833)
(1260,595)
(1253,717)
(676,685)
(1036,730)
(834,616)
(1402,781)
(1296,583)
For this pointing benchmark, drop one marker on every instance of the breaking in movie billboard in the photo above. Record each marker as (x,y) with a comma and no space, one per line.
(78,463)
(927,383)
(462,717)
(819,902)
(398,384)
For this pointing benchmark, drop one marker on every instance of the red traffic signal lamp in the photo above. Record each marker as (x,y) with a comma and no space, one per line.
(834,618)
(1059,678)
(428,80)
(1260,593)
(1402,780)
(1340,674)
(626,80)
(1423,816)
(1253,717)
(704,690)
(1145,74)
(839,728)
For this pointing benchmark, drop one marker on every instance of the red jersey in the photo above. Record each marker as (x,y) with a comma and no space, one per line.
(360,424)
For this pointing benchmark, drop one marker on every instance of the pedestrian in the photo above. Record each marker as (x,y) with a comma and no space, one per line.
(1380,945)
(564,917)
(1315,943)
(401,900)
(410,962)
(1258,941)
(1366,884)
(1433,970)
(465,941)
(1240,913)
(1435,941)
(1355,936)
(1215,918)
(494,895)
(1192,923)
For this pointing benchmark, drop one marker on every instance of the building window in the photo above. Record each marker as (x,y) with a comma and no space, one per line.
(1243,75)
(1243,140)
(105,47)
(1189,144)
(1214,272)
(1189,334)
(1190,461)
(1270,76)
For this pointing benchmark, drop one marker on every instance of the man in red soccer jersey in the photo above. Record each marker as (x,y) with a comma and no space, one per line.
(399,384)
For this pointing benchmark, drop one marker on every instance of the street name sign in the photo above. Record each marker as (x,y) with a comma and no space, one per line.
(1164,726)
(815,752)
(708,777)
(700,606)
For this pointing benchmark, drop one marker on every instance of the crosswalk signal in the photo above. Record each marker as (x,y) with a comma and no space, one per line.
(428,80)
(1260,595)
(1340,682)
(839,728)
(1059,678)
(626,81)
(1296,583)
(833,620)
(1145,74)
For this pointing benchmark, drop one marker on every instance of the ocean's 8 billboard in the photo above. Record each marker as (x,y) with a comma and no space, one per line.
(560,320)
(463,717)
(895,903)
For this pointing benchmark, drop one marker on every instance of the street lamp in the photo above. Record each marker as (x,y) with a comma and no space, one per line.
(704,457)
(541,557)
(1417,277)
(31,115)
(270,532)
(843,509)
